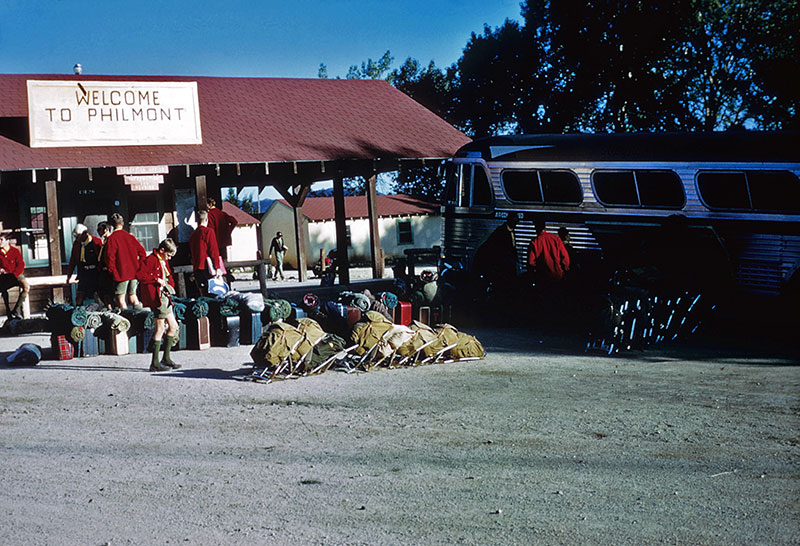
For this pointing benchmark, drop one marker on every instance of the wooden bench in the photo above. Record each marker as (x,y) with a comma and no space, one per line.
(181,271)
(37,283)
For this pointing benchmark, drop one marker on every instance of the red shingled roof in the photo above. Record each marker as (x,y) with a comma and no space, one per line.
(318,209)
(252,120)
(242,218)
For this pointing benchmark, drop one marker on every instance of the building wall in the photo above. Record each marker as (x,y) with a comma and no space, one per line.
(280,217)
(245,244)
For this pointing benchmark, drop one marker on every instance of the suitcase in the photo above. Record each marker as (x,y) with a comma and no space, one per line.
(91,344)
(63,349)
(198,336)
(181,337)
(297,313)
(226,332)
(133,345)
(353,315)
(425,315)
(143,341)
(402,313)
(250,327)
(117,343)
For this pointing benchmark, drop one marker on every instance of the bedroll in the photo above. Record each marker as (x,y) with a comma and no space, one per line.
(366,334)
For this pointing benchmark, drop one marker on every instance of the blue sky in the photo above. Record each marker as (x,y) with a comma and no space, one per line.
(235,37)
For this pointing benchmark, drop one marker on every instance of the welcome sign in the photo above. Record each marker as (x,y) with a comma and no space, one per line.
(68,113)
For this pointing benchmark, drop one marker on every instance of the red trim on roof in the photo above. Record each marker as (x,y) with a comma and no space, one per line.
(320,209)
(252,120)
(242,218)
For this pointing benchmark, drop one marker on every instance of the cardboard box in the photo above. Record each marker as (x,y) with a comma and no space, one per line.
(117,343)
(198,336)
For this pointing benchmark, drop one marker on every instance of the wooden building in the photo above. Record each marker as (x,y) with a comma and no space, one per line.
(79,148)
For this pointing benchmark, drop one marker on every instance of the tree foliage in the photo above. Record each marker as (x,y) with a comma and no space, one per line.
(611,66)
(246,204)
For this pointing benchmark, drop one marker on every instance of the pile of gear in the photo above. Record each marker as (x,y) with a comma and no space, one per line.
(354,333)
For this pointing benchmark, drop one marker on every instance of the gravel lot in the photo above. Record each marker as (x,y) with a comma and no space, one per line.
(538,444)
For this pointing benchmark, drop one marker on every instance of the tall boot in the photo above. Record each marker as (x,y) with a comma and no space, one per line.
(17,312)
(169,343)
(154,365)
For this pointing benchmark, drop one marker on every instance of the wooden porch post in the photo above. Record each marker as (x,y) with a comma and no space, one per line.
(300,243)
(376,253)
(53,236)
(342,260)
(201,195)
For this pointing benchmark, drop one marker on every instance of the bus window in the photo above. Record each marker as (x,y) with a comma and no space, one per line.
(723,190)
(481,189)
(522,186)
(465,185)
(561,187)
(660,189)
(615,188)
(451,183)
(774,191)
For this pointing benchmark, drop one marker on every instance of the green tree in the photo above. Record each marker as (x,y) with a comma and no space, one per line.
(246,204)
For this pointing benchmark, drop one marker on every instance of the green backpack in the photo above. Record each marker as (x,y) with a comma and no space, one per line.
(312,333)
(327,347)
(274,345)
(468,347)
(367,334)
(422,334)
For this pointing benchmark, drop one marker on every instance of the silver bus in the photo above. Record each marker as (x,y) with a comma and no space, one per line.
(614,191)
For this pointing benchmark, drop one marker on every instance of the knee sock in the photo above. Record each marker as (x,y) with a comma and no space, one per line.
(156,348)
(18,307)
(168,344)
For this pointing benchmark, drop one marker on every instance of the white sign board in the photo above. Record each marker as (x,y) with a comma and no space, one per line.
(68,113)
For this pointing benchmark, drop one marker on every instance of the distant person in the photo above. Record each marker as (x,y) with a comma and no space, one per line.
(278,248)
(85,257)
(563,234)
(206,260)
(158,287)
(548,258)
(12,267)
(222,224)
(123,254)
(496,258)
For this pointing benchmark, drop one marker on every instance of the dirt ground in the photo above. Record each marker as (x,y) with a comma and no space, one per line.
(540,443)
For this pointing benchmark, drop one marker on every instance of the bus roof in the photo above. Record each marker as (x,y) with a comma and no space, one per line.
(730,146)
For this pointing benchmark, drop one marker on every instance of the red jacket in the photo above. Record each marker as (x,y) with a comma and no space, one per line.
(149,273)
(11,261)
(548,256)
(122,255)
(222,223)
(203,244)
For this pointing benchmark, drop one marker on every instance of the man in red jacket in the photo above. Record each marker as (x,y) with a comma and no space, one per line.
(547,256)
(222,224)
(85,256)
(11,268)
(123,252)
(205,253)
(158,286)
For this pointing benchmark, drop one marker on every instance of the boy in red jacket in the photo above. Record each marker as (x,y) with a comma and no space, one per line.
(11,268)
(158,287)
(203,246)
(122,256)
(222,224)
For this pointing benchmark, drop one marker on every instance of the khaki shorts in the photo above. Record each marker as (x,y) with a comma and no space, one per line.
(164,308)
(126,287)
